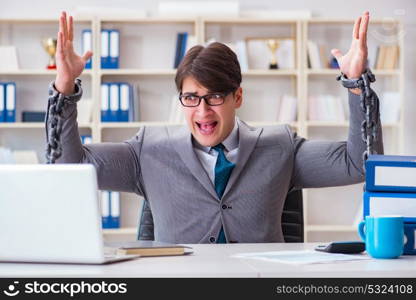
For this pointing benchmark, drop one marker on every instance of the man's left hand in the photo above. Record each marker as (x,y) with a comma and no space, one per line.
(354,62)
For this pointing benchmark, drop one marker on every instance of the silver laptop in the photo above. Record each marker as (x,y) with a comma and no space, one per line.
(51,214)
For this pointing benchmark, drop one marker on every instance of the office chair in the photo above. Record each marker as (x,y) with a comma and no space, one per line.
(292,219)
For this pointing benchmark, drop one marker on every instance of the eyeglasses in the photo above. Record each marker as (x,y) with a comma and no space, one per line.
(192,100)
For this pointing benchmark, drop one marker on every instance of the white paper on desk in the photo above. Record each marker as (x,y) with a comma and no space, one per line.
(301,257)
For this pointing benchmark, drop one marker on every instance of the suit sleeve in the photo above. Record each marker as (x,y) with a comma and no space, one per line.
(326,163)
(117,164)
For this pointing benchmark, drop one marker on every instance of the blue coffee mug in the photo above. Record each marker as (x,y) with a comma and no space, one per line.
(383,236)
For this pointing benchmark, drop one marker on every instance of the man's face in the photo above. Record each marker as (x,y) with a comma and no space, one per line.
(210,125)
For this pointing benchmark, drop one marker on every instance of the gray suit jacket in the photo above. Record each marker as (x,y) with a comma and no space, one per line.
(160,164)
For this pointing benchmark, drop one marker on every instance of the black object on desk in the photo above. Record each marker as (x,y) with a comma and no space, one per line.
(342,247)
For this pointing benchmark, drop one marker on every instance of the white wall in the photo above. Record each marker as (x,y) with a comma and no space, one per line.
(403,9)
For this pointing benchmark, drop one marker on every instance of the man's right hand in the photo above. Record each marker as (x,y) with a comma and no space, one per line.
(69,65)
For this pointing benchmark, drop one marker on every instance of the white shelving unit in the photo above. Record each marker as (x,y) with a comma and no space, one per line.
(147,47)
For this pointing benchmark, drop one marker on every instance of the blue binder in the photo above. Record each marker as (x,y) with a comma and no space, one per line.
(178,51)
(125,102)
(410,233)
(87,45)
(114,102)
(391,173)
(114,49)
(105,209)
(10,103)
(105,102)
(114,210)
(403,204)
(105,49)
(86,139)
(2,104)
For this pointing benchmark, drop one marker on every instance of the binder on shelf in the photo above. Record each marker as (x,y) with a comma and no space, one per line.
(105,49)
(379,203)
(114,102)
(125,103)
(105,102)
(114,210)
(114,50)
(10,104)
(2,104)
(87,45)
(86,139)
(105,209)
(178,51)
(391,173)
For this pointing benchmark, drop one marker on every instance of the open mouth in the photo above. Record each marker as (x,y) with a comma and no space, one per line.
(207,128)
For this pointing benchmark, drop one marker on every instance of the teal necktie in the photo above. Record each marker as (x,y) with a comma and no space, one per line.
(223,169)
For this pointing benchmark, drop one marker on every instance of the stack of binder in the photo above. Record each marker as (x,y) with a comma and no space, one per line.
(117,102)
(110,49)
(7,102)
(110,209)
(391,190)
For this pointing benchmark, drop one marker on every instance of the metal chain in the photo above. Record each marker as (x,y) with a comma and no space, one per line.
(368,104)
(54,121)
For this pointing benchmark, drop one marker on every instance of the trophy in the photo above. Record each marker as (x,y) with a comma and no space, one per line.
(273,44)
(50,46)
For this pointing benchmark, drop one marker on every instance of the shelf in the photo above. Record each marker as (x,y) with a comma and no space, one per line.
(147,20)
(119,231)
(284,72)
(250,21)
(341,124)
(144,72)
(36,72)
(135,124)
(350,21)
(261,124)
(29,125)
(337,72)
(331,228)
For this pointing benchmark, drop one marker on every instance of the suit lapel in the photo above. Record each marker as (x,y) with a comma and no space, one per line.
(181,140)
(248,137)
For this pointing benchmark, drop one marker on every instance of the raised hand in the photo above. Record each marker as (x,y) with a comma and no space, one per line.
(354,62)
(69,65)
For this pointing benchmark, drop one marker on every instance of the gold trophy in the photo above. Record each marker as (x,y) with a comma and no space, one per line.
(50,46)
(273,44)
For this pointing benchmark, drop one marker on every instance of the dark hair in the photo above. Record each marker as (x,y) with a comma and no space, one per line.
(215,67)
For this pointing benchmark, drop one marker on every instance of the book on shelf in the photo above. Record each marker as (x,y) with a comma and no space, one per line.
(33,116)
(110,209)
(87,45)
(287,109)
(391,173)
(387,57)
(149,248)
(326,108)
(184,42)
(390,107)
(8,58)
(314,57)
(259,55)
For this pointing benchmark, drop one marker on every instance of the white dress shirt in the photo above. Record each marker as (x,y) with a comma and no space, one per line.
(208,156)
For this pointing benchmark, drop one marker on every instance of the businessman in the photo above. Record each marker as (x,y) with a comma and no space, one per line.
(217,179)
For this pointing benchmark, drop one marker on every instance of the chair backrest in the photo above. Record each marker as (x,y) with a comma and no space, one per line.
(292,219)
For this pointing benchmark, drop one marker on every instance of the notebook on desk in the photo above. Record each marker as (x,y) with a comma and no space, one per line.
(149,248)
(50,214)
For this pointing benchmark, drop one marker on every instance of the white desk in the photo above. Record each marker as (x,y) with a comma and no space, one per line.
(215,261)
